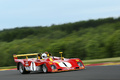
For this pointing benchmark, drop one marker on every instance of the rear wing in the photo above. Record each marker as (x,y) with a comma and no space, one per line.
(21,55)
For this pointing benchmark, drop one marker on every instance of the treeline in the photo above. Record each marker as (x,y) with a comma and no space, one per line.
(20,33)
(84,39)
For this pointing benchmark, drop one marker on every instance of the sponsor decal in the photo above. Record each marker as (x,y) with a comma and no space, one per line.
(65,64)
(33,66)
(77,60)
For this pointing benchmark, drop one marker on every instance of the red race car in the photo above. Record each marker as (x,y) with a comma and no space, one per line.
(45,62)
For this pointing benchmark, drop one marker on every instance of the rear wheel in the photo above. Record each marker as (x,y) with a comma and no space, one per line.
(22,69)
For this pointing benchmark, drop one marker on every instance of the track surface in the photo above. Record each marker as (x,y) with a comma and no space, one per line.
(91,73)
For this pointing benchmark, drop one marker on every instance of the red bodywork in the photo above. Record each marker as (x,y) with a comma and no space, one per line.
(34,64)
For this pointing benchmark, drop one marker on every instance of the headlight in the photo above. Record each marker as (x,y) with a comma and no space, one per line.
(80,64)
(53,67)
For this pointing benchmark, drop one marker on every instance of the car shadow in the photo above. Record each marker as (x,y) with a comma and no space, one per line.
(54,72)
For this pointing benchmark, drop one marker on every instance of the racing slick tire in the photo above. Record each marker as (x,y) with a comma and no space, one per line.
(44,68)
(22,69)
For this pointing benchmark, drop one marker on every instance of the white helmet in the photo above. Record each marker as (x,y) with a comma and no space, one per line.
(44,55)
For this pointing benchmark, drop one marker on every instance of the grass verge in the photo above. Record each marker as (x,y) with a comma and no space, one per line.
(8,67)
(115,59)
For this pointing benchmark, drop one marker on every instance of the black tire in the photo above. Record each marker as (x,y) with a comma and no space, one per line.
(44,68)
(22,69)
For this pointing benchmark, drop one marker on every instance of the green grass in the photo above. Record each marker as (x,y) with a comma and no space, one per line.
(8,67)
(115,59)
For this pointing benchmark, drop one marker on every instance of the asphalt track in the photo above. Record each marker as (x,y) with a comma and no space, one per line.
(91,73)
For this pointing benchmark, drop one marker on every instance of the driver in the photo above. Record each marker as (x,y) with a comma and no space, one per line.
(44,55)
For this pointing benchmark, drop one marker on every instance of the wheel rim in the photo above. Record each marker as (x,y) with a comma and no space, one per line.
(21,68)
(44,69)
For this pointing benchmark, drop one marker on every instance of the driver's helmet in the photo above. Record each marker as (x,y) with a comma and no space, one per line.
(44,55)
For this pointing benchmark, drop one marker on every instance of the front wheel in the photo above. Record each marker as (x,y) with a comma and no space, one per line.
(22,69)
(44,68)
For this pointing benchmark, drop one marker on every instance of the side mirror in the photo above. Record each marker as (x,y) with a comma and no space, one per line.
(60,52)
(61,55)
